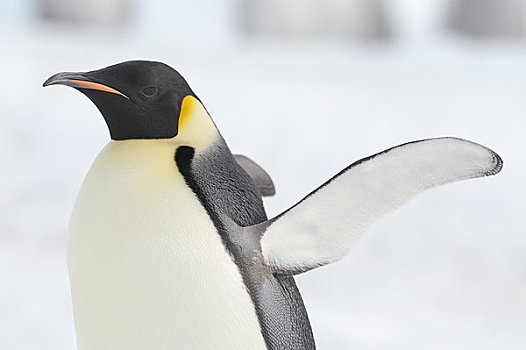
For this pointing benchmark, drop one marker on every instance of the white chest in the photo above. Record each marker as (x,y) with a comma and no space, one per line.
(147,267)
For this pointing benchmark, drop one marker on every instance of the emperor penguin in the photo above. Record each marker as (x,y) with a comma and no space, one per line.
(169,245)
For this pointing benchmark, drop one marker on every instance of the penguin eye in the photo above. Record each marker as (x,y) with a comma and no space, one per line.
(149,91)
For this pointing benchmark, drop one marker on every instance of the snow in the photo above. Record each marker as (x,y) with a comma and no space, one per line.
(445,272)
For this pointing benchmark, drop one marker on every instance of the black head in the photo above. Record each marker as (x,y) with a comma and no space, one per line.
(138,99)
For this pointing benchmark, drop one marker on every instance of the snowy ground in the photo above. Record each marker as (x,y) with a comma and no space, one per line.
(448,271)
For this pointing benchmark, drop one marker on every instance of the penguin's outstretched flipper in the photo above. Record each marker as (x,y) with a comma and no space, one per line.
(260,177)
(324,226)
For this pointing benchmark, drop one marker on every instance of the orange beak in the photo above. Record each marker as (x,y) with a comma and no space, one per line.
(77,80)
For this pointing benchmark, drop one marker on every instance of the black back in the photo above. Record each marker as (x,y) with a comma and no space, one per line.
(230,196)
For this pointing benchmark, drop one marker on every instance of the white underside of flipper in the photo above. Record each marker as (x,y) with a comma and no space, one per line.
(323,227)
(147,267)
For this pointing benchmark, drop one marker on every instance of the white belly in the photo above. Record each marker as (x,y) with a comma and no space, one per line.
(147,267)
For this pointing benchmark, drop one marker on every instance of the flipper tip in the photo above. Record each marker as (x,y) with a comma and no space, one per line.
(497,163)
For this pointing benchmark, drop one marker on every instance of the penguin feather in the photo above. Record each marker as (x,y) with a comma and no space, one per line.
(324,226)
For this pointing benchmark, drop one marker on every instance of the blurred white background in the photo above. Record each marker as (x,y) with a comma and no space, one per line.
(304,88)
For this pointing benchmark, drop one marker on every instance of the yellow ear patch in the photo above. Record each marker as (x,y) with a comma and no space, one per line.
(196,128)
(187,109)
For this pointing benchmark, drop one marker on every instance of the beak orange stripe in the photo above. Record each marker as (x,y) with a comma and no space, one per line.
(94,86)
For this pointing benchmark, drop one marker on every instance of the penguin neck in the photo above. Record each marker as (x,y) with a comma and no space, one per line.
(148,158)
(196,129)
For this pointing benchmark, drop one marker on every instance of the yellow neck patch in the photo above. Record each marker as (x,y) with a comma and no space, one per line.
(196,128)
(187,109)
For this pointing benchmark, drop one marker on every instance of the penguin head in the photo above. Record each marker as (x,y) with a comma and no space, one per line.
(138,99)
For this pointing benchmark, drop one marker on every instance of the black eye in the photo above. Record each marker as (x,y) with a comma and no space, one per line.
(149,91)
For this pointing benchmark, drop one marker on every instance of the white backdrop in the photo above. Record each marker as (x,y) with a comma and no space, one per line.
(445,272)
